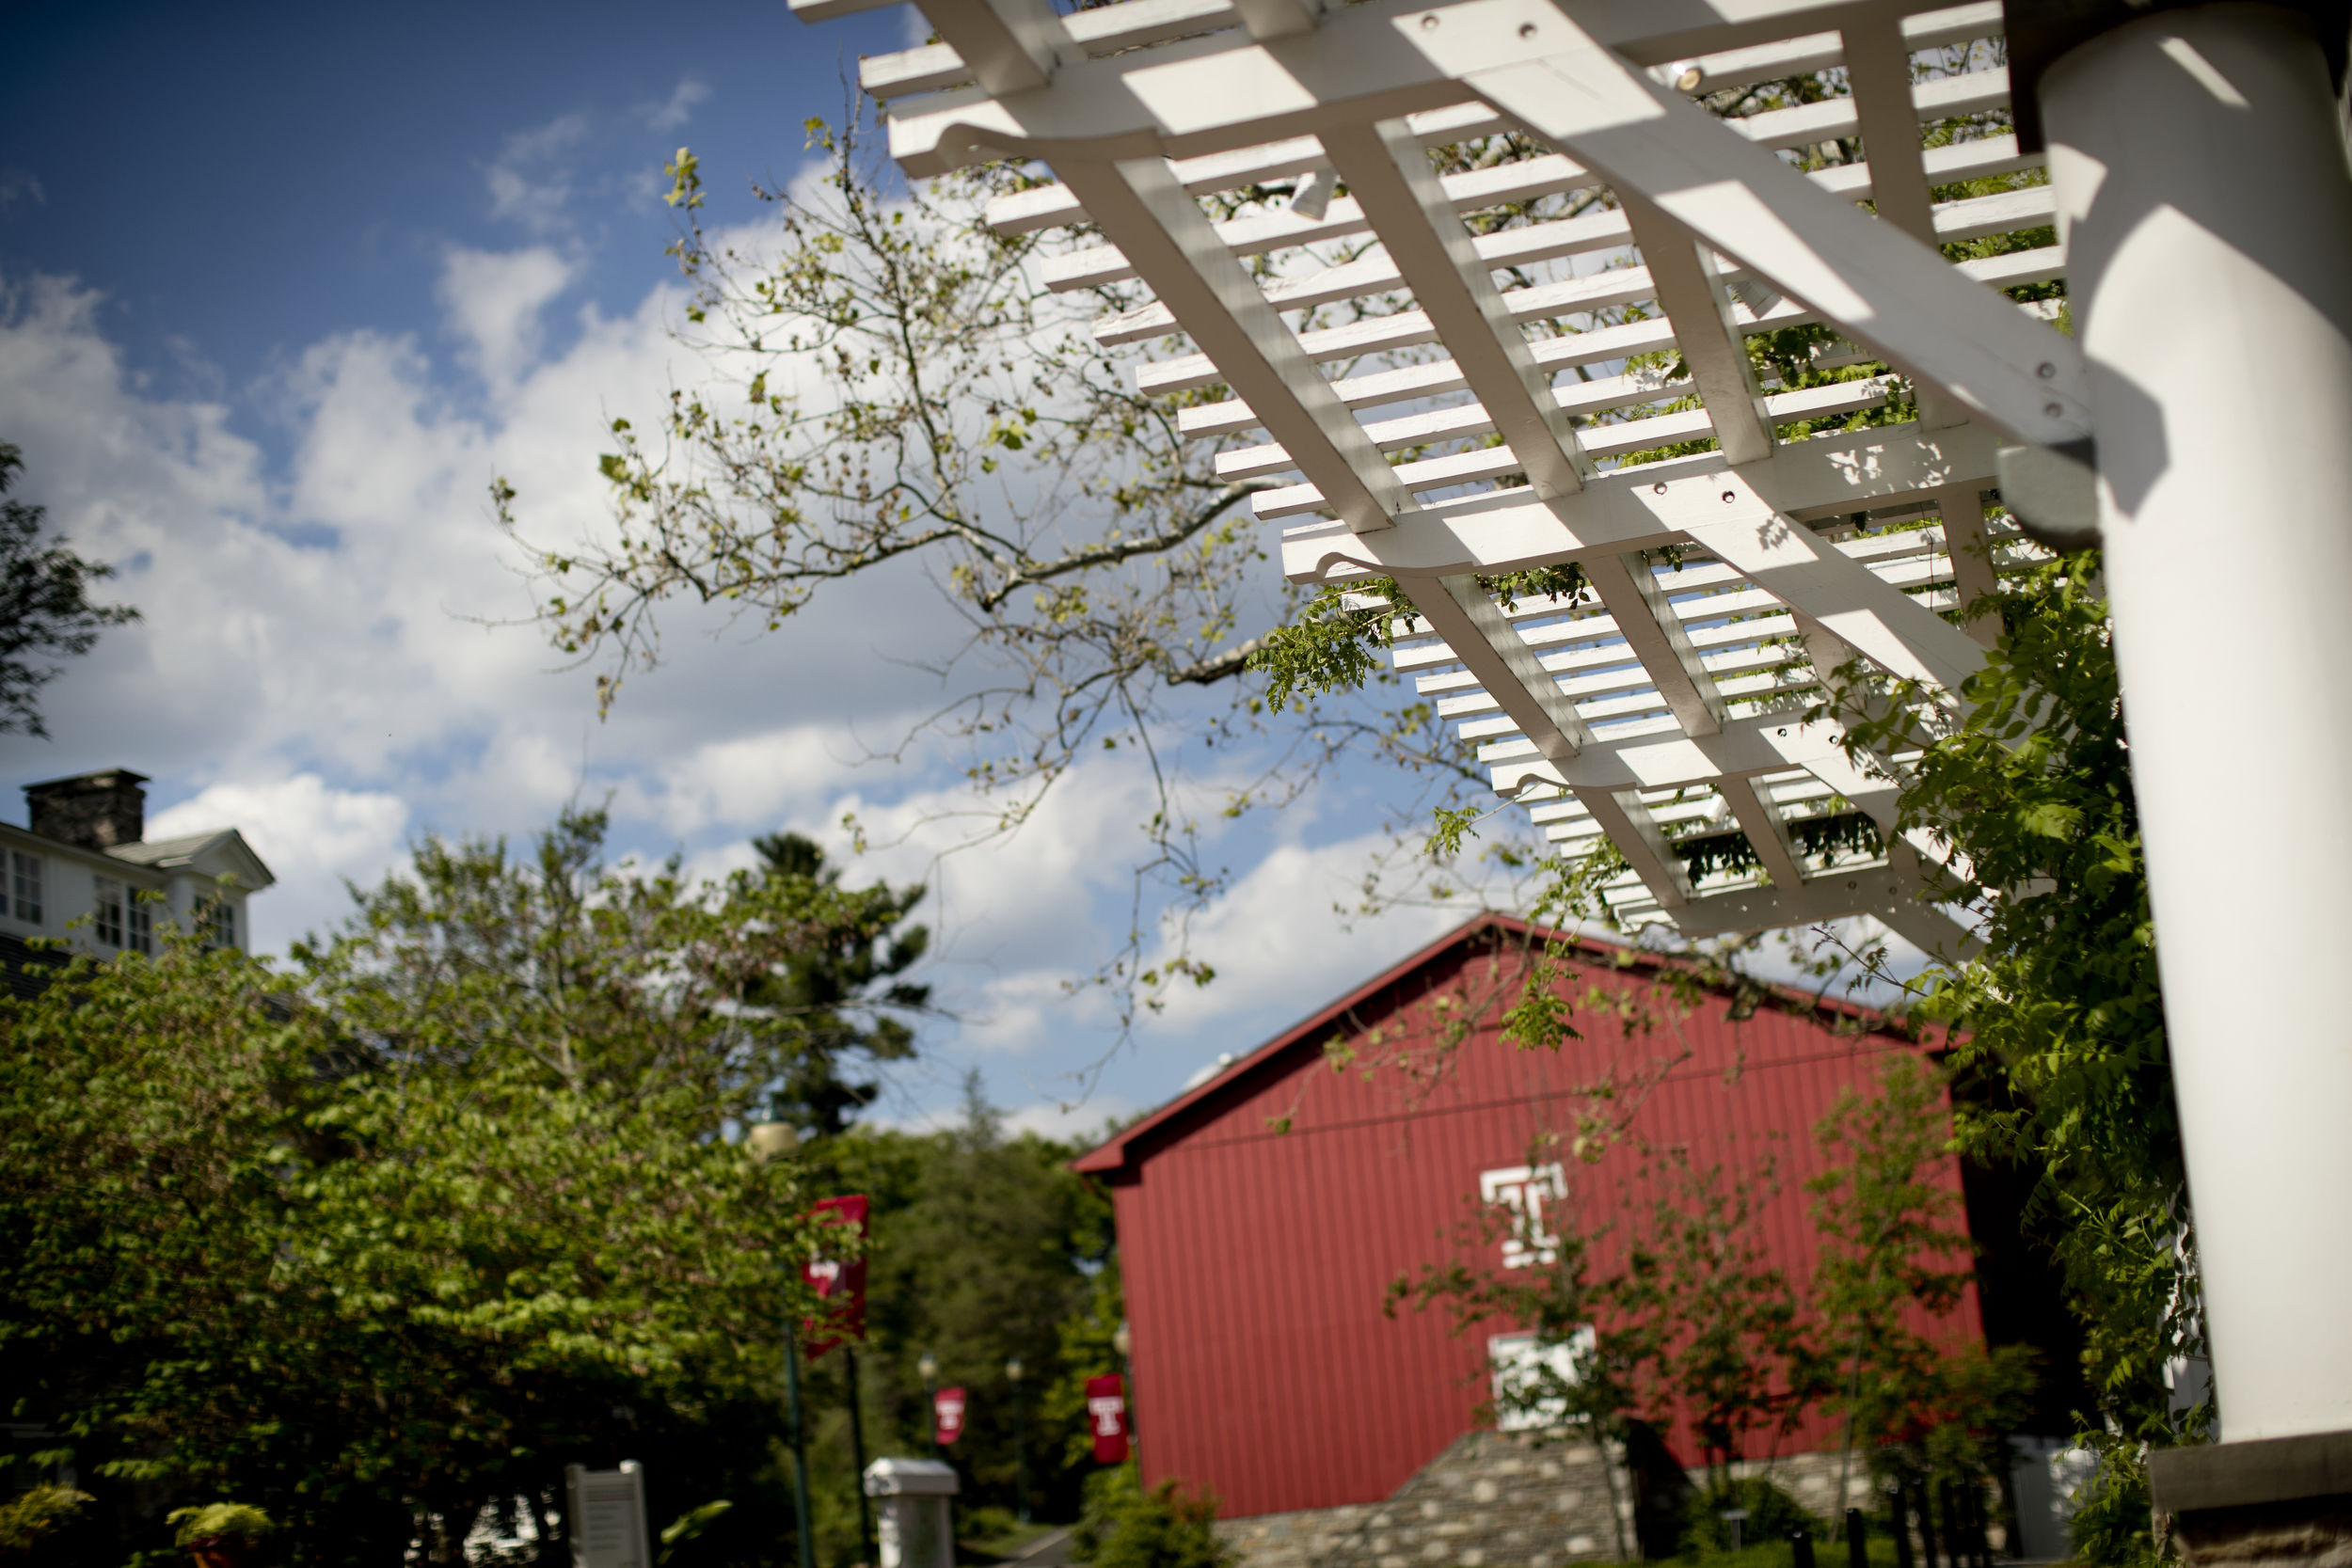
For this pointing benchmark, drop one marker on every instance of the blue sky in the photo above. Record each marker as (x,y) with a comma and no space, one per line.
(283,287)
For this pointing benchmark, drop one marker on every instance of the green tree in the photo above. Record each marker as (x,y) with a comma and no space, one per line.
(2063,1021)
(985,1246)
(843,995)
(711,1001)
(379,1248)
(45,610)
(1650,1312)
(1928,1403)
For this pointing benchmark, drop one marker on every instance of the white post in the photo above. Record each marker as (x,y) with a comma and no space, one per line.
(917,1530)
(2202,178)
(608,1516)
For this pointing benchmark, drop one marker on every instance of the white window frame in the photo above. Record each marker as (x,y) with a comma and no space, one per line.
(26,870)
(1517,1364)
(111,906)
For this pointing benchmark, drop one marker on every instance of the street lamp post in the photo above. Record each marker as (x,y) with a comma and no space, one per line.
(857,1452)
(929,1367)
(1020,1444)
(1123,1341)
(766,1140)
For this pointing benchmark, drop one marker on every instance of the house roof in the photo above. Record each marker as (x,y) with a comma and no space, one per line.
(224,849)
(1122,1148)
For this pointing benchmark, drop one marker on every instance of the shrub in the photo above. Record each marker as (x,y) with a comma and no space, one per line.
(1125,1526)
(27,1520)
(215,1520)
(1772,1515)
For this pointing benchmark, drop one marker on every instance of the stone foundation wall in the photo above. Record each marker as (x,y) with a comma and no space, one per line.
(1491,1500)
(1505,1500)
(1811,1479)
(1293,1540)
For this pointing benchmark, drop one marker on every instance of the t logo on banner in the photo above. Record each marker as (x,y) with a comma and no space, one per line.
(947,1414)
(1106,1413)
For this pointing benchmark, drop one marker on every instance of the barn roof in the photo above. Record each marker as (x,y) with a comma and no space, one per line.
(1131,1145)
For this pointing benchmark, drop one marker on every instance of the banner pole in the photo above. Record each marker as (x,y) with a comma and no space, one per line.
(799,1450)
(857,1449)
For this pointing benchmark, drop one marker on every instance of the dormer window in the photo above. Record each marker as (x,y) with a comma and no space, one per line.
(25,886)
(124,918)
(217,922)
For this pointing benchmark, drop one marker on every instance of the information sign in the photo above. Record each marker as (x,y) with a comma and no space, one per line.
(608,1516)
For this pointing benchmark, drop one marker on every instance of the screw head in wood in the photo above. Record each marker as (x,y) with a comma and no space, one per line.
(2053,410)
(1658,488)
(1527,30)
(1429,23)
(2045,369)
(1730,495)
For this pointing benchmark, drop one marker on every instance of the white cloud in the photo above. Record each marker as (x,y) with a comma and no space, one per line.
(1088,1122)
(1022,1014)
(495,300)
(330,658)
(1286,939)
(772,777)
(684,99)
(528,181)
(311,836)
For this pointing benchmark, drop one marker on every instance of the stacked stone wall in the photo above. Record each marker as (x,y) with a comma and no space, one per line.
(1505,1500)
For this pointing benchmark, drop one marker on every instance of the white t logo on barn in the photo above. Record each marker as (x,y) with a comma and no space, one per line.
(1524,1190)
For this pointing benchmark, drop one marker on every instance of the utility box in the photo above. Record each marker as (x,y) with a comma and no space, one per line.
(917,1528)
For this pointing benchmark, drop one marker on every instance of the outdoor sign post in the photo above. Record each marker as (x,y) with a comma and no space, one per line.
(607,1516)
(947,1406)
(766,1140)
(1019,1442)
(2193,424)
(801,1513)
(1123,1341)
(917,1531)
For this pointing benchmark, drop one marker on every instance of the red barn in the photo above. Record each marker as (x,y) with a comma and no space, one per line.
(1264,1214)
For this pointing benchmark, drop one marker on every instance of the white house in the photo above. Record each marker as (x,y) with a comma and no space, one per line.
(83,871)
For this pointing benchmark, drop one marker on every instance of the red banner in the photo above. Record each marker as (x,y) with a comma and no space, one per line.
(1106,1413)
(947,1414)
(840,1283)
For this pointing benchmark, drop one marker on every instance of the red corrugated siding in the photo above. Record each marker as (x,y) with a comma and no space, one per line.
(1257,1262)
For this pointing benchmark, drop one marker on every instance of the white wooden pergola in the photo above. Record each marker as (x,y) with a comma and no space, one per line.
(1467,430)
(1479,418)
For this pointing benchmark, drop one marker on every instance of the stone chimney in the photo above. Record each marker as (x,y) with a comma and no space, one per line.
(97,811)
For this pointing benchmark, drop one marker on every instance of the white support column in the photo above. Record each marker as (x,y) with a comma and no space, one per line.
(2202,182)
